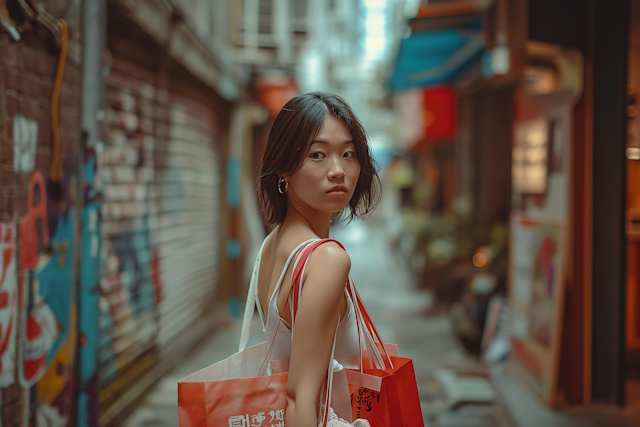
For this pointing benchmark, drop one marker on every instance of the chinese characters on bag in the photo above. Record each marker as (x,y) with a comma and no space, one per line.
(366,398)
(277,419)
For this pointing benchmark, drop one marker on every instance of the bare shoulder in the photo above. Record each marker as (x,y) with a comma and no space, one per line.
(330,255)
(331,251)
(326,275)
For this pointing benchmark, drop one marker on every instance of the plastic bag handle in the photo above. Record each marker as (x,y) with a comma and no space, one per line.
(370,331)
(293,298)
(250,304)
(302,258)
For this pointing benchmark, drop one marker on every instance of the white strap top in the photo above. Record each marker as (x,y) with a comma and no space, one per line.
(347,352)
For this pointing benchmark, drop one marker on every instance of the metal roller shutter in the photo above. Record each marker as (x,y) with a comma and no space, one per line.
(189,241)
(160,222)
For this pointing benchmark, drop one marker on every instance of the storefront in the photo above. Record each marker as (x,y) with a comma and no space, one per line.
(456,107)
(546,143)
(569,280)
(589,320)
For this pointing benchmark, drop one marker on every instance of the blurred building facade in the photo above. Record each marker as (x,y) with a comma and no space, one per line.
(114,196)
(516,183)
(128,204)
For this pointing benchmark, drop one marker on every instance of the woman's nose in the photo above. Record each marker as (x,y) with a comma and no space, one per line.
(336,171)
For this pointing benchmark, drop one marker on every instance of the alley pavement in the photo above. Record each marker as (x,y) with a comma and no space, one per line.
(399,310)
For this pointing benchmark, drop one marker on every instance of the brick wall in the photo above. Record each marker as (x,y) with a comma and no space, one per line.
(135,220)
(27,75)
(38,361)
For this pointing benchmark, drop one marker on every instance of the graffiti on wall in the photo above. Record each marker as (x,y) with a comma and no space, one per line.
(35,333)
(38,301)
(129,286)
(25,137)
(8,303)
(90,242)
(56,298)
(38,305)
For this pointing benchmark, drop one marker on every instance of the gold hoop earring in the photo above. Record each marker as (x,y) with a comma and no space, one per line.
(286,185)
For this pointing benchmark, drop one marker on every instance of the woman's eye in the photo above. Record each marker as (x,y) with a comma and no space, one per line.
(317,155)
(350,154)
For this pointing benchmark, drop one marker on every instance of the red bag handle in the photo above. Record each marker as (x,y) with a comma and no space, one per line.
(364,322)
(294,300)
(296,288)
(362,315)
(298,272)
(370,329)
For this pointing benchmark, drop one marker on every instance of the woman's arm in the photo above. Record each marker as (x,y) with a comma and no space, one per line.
(314,330)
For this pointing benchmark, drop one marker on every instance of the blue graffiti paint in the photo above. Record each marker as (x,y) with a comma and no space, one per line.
(89,312)
(89,281)
(134,252)
(56,279)
(90,172)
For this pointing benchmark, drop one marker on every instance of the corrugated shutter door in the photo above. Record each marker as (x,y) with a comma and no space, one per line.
(129,212)
(160,222)
(190,220)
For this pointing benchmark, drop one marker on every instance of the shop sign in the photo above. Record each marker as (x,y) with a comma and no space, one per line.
(440,109)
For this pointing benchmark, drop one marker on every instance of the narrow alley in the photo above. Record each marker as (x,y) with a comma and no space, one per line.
(402,315)
(146,147)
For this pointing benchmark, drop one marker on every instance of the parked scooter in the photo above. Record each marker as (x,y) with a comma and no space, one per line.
(487,280)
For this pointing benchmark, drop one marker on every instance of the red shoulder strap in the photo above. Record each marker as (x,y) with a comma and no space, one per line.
(296,278)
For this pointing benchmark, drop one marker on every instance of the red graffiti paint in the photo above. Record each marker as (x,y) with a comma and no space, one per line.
(36,355)
(34,238)
(33,225)
(33,329)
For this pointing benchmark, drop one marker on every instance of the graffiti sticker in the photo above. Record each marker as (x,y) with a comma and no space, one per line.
(25,137)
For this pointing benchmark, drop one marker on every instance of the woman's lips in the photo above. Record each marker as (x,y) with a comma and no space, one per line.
(337,191)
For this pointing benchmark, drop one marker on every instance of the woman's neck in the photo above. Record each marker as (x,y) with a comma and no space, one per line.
(317,222)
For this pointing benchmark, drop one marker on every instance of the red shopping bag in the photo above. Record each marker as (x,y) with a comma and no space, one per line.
(384,391)
(392,401)
(229,393)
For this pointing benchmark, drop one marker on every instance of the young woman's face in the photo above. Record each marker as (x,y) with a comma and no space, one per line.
(329,173)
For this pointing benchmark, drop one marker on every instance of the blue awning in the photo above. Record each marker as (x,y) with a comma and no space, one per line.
(435,57)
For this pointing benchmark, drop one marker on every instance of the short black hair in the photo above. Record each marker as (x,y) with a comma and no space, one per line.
(295,127)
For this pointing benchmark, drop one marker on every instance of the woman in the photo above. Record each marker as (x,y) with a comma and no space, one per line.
(317,162)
